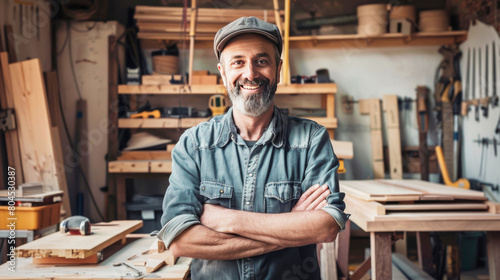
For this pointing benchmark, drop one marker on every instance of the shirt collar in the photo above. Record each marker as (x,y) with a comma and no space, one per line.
(275,132)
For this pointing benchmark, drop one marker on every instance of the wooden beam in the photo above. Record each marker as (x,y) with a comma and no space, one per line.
(11,137)
(372,107)
(390,105)
(424,252)
(192,37)
(286,46)
(113,124)
(493,245)
(380,250)
(10,42)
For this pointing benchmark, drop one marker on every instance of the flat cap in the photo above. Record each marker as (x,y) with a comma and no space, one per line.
(246,25)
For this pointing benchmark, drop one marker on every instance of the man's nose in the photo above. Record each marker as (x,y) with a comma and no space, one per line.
(250,72)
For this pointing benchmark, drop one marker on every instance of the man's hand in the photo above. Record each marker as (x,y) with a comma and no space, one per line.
(314,198)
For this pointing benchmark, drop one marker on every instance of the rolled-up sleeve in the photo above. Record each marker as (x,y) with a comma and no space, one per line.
(321,169)
(182,204)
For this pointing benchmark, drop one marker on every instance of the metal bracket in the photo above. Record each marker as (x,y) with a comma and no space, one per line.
(7,120)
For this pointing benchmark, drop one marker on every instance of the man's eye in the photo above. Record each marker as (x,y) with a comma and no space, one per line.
(237,63)
(262,62)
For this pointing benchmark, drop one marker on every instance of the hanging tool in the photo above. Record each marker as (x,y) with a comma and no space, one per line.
(497,129)
(494,97)
(474,101)
(460,183)
(155,114)
(423,126)
(217,104)
(484,143)
(485,101)
(465,101)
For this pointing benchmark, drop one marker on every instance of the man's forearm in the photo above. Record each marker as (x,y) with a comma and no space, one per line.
(286,229)
(201,242)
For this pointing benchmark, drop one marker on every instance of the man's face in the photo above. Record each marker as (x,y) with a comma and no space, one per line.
(250,73)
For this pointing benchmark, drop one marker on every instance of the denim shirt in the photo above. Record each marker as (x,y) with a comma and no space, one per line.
(212,164)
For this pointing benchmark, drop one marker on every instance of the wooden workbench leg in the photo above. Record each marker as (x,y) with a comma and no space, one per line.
(493,244)
(380,244)
(343,250)
(424,251)
(121,197)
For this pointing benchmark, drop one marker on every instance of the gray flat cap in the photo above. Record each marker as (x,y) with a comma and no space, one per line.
(246,25)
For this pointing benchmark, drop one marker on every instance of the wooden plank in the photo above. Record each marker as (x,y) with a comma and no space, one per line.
(390,105)
(380,251)
(458,216)
(424,252)
(161,166)
(132,166)
(145,155)
(113,147)
(343,242)
(375,188)
(371,207)
(165,256)
(11,137)
(372,107)
(328,265)
(159,79)
(160,123)
(362,269)
(493,245)
(343,149)
(326,88)
(78,246)
(434,206)
(436,189)
(36,141)
(153,265)
(61,260)
(205,11)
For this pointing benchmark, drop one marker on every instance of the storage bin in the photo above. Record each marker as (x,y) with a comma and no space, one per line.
(31,218)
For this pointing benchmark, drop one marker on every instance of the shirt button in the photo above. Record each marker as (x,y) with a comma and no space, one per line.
(251,174)
(203,188)
(221,191)
(248,203)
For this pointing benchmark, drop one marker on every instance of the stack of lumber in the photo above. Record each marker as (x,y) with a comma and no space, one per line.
(165,23)
(378,203)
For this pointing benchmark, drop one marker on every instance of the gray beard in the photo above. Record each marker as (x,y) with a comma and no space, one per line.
(254,105)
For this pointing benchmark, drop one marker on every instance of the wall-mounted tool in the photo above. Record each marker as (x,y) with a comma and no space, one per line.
(76,225)
(485,101)
(155,114)
(217,104)
(460,183)
(494,96)
(423,126)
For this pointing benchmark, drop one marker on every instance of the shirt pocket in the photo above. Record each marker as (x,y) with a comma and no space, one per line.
(280,196)
(217,193)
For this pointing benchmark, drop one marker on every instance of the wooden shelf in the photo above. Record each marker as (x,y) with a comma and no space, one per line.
(329,123)
(140,166)
(160,123)
(344,40)
(327,88)
(385,40)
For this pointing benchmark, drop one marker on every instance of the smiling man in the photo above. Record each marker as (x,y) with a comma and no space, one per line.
(252,191)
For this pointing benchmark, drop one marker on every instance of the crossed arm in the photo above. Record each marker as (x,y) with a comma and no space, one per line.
(232,234)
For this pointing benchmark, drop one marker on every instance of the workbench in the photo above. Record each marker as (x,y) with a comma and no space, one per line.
(116,253)
(453,212)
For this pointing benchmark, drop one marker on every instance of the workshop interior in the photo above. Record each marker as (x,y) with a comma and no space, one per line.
(95,94)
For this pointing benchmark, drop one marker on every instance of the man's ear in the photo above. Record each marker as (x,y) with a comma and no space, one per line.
(278,74)
(222,73)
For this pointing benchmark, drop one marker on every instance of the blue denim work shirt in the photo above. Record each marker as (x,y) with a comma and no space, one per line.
(211,163)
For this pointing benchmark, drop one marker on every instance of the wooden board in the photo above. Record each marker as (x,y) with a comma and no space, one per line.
(145,155)
(390,105)
(372,107)
(79,246)
(34,129)
(406,190)
(434,189)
